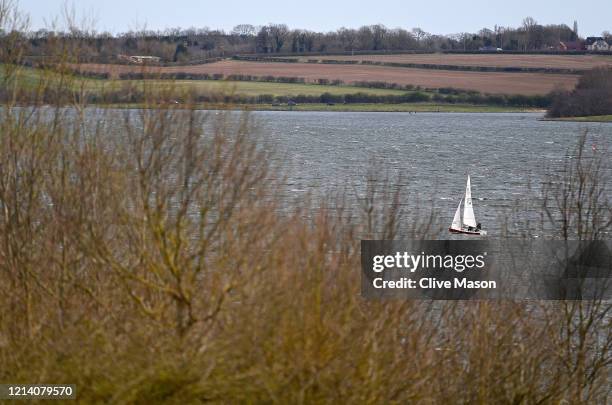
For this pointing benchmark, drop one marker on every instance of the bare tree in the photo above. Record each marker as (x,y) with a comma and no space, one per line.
(244,30)
(278,33)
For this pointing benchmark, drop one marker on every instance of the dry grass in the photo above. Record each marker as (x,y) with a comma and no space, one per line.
(146,257)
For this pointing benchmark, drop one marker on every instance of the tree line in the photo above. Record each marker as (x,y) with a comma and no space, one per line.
(178,45)
(591,96)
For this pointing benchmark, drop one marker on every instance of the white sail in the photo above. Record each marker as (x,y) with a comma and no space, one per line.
(468,210)
(457,219)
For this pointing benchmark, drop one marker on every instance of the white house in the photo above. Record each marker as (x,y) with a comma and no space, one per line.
(596,44)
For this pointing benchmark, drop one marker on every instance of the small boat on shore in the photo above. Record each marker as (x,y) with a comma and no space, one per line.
(466,224)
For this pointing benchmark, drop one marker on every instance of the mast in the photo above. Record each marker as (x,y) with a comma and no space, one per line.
(468,210)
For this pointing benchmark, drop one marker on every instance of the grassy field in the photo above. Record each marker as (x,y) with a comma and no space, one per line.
(275,89)
(485,82)
(493,60)
(31,77)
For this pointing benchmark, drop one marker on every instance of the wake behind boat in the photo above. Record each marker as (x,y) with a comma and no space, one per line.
(466,225)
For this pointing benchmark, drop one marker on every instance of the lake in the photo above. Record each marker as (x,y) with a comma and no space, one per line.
(507,155)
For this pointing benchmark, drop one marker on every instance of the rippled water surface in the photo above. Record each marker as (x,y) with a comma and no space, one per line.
(506,155)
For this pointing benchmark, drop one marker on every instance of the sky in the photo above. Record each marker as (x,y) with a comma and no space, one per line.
(436,17)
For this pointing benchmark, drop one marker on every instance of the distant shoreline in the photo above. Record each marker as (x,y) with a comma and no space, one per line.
(593,118)
(320,107)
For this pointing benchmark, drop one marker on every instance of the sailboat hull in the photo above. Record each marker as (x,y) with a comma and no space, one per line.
(466,232)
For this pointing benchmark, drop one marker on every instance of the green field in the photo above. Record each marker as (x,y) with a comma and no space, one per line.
(31,77)
(242,88)
(275,89)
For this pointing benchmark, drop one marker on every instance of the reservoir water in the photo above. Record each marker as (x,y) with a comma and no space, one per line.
(507,155)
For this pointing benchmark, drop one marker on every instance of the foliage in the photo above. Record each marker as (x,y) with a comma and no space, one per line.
(592,96)
(149,256)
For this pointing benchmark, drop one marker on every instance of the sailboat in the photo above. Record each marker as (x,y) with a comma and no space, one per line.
(466,224)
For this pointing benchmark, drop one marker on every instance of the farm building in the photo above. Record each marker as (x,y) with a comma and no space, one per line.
(597,44)
(140,59)
(571,46)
